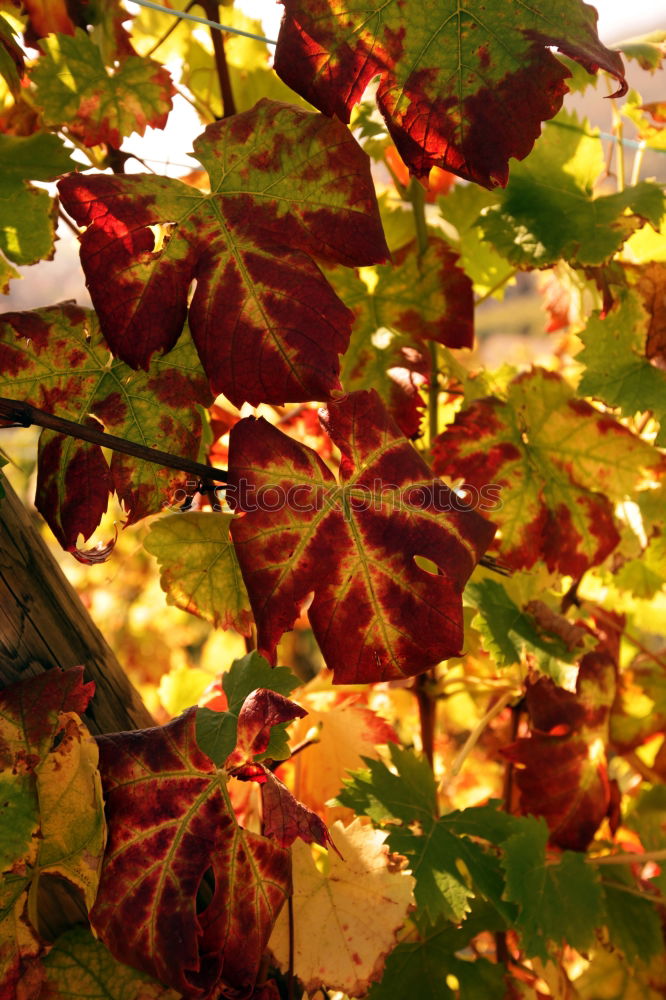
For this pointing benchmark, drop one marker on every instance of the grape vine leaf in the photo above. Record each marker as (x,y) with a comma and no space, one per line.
(639,709)
(78,965)
(550,211)
(217,728)
(56,359)
(348,950)
(560,464)
(422,968)
(487,268)
(347,732)
(267,325)
(617,369)
(508,631)
(199,571)
(74,87)
(462,89)
(381,359)
(27,213)
(562,770)
(426,298)
(557,902)
(375,613)
(167,801)
(633,923)
(35,774)
(438,850)
(47,16)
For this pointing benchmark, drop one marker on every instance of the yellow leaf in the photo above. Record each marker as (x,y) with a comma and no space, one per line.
(71,808)
(346,733)
(346,912)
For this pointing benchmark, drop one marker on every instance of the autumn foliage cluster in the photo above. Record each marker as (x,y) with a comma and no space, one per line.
(455,788)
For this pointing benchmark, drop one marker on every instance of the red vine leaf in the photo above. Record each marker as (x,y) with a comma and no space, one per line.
(286,186)
(170,821)
(376,614)
(56,359)
(261,710)
(561,768)
(34,706)
(556,463)
(462,89)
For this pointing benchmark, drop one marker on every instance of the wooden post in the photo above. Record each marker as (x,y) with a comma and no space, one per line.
(43,624)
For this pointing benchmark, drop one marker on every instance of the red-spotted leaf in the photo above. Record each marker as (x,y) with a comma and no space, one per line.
(171,821)
(375,613)
(464,88)
(261,710)
(74,87)
(557,463)
(56,359)
(406,302)
(286,185)
(561,768)
(38,789)
(34,706)
(425,298)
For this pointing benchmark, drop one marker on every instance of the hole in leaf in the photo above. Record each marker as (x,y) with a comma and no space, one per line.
(206,891)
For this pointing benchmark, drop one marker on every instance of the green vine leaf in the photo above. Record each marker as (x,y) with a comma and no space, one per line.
(617,369)
(199,568)
(550,210)
(27,213)
(560,902)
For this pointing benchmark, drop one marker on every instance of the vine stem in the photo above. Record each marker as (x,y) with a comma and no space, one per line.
(211,9)
(24,415)
(423,687)
(474,738)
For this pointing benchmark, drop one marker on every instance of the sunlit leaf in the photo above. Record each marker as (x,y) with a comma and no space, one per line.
(555,463)
(617,369)
(551,211)
(199,568)
(462,88)
(375,613)
(266,323)
(56,359)
(74,87)
(562,770)
(27,213)
(335,944)
(168,802)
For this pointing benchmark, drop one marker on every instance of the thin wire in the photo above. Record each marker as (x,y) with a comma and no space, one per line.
(606,136)
(202,20)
